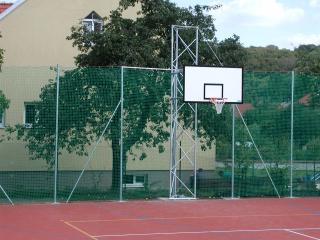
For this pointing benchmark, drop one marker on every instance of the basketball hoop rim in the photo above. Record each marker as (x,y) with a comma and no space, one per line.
(218,100)
(218,103)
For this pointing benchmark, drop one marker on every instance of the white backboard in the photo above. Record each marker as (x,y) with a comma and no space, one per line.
(202,83)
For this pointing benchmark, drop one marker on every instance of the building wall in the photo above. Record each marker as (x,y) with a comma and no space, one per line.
(34,34)
(43,181)
(23,84)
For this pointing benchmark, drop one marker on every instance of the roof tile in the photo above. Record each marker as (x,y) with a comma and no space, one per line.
(4,6)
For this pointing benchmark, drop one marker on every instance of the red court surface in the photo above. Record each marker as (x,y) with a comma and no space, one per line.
(244,219)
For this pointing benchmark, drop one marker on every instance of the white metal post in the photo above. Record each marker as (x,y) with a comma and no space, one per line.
(56,155)
(171,112)
(258,152)
(7,196)
(195,149)
(291,137)
(196,121)
(121,139)
(233,151)
(90,156)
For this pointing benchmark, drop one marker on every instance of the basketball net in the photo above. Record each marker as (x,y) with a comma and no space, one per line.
(218,103)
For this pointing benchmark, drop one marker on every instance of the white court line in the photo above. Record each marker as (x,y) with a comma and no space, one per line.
(212,231)
(304,235)
(190,217)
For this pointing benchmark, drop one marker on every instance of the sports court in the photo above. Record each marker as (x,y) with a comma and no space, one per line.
(288,219)
(140,133)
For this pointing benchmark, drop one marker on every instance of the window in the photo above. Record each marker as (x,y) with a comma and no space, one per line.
(2,119)
(93,22)
(31,114)
(134,180)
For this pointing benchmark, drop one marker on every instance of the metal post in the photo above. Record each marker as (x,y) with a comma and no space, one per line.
(233,150)
(258,152)
(7,196)
(196,120)
(175,112)
(90,156)
(171,114)
(179,48)
(57,137)
(121,138)
(291,137)
(195,149)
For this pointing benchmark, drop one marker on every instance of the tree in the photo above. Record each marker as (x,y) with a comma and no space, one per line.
(309,63)
(270,58)
(145,41)
(92,94)
(308,58)
(4,102)
(231,52)
(88,98)
(1,54)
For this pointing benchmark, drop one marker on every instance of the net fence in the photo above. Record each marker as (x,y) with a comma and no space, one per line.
(113,138)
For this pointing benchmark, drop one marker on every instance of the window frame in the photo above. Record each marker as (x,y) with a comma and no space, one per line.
(36,117)
(134,183)
(98,20)
(2,117)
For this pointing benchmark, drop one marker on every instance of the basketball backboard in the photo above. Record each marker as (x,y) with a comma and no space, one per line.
(202,83)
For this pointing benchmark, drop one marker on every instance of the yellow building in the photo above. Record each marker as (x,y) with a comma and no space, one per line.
(34,34)
(34,31)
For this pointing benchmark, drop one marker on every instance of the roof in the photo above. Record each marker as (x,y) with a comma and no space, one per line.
(4,6)
(305,99)
(243,108)
(9,7)
(93,15)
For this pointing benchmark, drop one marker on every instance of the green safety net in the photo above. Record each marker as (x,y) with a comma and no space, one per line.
(114,136)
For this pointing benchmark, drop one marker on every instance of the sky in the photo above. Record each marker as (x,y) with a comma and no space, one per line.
(284,23)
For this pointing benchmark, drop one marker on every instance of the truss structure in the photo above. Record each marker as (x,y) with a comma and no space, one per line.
(184,50)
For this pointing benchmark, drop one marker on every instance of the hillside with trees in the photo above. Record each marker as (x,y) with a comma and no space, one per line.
(305,58)
(270,58)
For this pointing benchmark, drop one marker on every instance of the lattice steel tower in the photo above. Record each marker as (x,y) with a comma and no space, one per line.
(184,50)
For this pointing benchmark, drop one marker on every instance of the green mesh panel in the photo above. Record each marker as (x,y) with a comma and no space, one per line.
(146,134)
(90,102)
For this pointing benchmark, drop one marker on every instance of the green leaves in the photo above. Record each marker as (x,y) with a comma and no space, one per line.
(142,41)
(4,102)
(1,55)
(270,58)
(231,52)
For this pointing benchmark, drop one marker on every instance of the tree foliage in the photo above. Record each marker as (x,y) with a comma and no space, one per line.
(88,97)
(146,40)
(1,54)
(270,58)
(231,52)
(308,59)
(270,93)
(89,94)
(4,102)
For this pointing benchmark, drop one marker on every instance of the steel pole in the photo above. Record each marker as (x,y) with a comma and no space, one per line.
(233,151)
(121,138)
(291,137)
(56,154)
